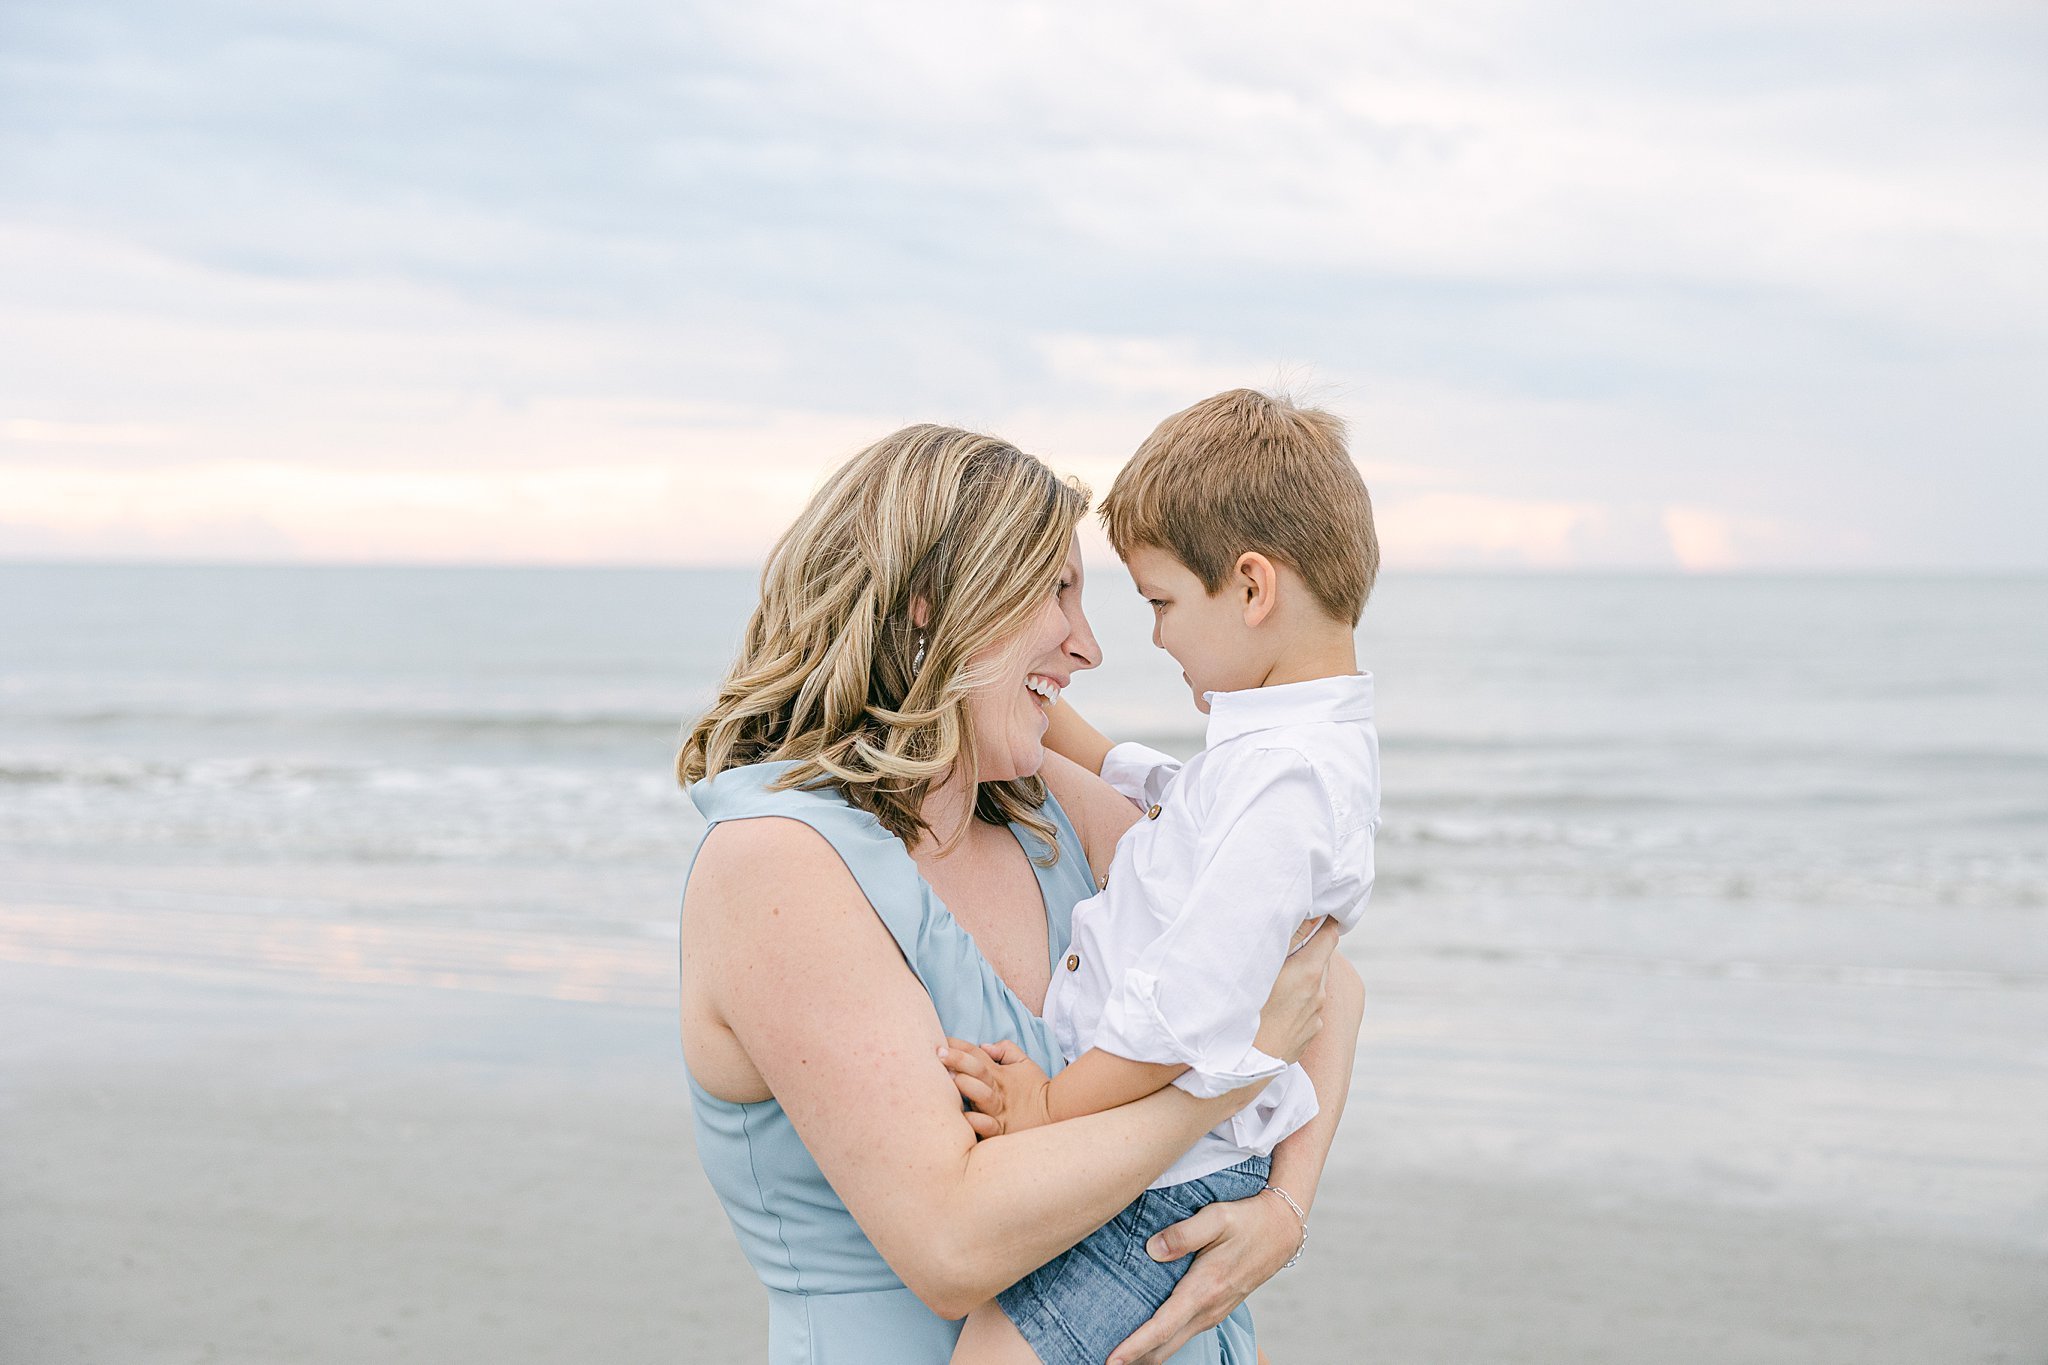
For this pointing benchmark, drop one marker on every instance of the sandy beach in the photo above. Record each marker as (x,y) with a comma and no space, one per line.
(252,1156)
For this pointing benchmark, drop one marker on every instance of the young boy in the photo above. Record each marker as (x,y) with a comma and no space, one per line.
(1248,529)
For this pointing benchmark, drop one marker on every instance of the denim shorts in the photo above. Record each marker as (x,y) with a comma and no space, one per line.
(1078,1307)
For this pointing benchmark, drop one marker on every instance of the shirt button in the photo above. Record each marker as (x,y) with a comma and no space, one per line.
(1073,962)
(1152,814)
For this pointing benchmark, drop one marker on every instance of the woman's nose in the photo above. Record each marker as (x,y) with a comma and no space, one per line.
(1081,646)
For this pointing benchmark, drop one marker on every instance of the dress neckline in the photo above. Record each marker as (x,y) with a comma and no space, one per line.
(1020,834)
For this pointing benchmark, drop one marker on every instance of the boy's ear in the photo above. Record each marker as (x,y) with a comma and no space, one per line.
(1257,584)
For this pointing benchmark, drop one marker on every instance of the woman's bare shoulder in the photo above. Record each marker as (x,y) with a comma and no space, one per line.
(1099,815)
(767,855)
(769,900)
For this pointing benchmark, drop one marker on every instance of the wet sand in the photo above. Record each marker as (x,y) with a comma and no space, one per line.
(256,1165)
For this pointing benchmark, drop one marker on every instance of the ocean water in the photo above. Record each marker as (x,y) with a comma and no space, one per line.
(1732,885)
(1848,742)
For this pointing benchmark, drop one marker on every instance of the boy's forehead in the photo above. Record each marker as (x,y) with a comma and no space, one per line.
(1152,567)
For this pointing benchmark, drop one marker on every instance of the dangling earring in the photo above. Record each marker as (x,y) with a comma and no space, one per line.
(917,660)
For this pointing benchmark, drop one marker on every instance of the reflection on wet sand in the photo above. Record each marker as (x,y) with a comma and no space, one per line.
(214,945)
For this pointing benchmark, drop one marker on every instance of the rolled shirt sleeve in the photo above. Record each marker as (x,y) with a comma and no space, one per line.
(1280,1109)
(1141,774)
(1194,995)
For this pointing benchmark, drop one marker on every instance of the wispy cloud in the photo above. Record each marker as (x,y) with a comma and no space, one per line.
(1769,266)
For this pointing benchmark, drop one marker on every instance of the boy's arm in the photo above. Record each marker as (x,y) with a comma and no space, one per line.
(1010,1093)
(1140,775)
(1068,735)
(1098,1080)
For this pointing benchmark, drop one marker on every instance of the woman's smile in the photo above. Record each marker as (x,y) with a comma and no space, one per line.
(1044,689)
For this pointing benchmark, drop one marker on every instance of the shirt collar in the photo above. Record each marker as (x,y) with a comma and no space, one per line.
(1346,697)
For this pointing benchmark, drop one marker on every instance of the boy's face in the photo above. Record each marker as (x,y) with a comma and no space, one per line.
(1206,635)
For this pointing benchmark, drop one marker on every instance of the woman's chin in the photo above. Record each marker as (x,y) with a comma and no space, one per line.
(1022,757)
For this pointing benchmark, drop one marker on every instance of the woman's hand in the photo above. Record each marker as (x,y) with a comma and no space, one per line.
(1293,1012)
(1238,1245)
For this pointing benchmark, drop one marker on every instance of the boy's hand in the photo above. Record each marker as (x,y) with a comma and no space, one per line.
(1008,1090)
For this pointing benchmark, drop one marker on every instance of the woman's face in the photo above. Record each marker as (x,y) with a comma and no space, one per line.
(1009,714)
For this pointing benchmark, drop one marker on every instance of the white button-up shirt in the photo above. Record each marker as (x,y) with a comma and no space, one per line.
(1267,828)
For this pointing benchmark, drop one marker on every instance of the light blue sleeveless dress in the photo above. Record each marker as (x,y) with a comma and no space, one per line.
(832,1300)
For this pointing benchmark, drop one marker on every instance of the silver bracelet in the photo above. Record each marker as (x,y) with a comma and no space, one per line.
(1298,1213)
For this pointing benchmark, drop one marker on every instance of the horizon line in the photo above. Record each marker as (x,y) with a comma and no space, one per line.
(731,566)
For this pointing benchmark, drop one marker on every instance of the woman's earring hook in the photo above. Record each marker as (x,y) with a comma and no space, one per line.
(917,660)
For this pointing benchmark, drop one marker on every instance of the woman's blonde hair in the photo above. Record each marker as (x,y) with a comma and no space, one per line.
(829,675)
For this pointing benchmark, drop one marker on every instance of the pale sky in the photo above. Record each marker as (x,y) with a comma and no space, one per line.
(1728,285)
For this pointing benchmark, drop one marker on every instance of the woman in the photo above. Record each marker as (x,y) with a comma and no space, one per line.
(893,857)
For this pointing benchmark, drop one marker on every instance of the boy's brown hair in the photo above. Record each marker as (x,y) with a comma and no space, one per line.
(1247,471)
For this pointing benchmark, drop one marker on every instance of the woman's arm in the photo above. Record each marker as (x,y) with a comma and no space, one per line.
(1241,1244)
(815,990)
(1298,1160)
